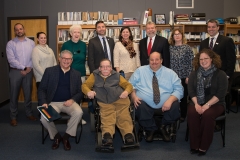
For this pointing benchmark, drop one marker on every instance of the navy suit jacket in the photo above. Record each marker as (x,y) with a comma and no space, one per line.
(96,52)
(49,83)
(225,48)
(160,45)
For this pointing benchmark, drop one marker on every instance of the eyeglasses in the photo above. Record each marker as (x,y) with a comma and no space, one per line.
(66,59)
(179,34)
(204,59)
(76,52)
(105,66)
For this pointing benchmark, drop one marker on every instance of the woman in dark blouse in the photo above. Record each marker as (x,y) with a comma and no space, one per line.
(181,56)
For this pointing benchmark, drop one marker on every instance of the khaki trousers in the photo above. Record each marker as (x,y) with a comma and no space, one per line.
(116,113)
(75,112)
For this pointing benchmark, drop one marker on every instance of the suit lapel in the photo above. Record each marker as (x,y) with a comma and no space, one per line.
(145,46)
(155,43)
(218,41)
(99,44)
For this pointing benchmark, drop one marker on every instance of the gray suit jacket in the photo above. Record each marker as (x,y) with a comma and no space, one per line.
(96,52)
(49,83)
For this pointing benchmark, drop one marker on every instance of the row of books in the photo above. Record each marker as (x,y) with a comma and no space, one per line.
(164,33)
(235,37)
(87,34)
(69,18)
(199,36)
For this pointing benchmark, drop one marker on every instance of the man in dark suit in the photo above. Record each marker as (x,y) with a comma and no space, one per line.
(153,43)
(100,47)
(60,87)
(222,45)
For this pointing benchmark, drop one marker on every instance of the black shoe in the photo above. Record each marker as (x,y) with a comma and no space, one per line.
(150,135)
(107,139)
(173,129)
(201,153)
(193,151)
(217,128)
(165,135)
(56,143)
(129,139)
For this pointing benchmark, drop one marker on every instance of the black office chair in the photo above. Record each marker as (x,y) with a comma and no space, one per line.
(235,91)
(64,119)
(222,120)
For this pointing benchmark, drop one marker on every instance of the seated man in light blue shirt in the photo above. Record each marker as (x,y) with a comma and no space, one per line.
(146,103)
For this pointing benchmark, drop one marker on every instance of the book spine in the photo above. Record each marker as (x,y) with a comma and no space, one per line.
(130,22)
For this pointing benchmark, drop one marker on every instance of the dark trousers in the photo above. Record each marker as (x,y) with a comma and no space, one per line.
(201,127)
(16,82)
(183,103)
(144,115)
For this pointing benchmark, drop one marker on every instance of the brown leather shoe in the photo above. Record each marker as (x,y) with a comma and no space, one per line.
(32,118)
(66,144)
(13,122)
(56,143)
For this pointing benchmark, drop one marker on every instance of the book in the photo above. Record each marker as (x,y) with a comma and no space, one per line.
(198,15)
(50,114)
(130,22)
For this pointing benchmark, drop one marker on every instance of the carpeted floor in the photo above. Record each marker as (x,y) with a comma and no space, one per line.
(23,142)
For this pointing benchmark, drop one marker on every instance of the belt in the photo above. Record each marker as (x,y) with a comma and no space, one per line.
(14,68)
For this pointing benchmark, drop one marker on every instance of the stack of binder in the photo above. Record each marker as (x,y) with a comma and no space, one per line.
(198,18)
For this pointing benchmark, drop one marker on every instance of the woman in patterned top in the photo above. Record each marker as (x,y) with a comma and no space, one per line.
(126,53)
(181,56)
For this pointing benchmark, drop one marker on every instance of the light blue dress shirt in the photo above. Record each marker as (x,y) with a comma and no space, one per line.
(168,81)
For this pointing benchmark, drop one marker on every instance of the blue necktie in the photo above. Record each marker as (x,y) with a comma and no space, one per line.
(105,48)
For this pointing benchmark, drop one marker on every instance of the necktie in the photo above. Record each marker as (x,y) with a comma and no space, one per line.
(105,48)
(149,46)
(211,44)
(156,91)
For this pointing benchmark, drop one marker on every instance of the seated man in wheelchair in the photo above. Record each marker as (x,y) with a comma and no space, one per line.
(111,92)
(156,87)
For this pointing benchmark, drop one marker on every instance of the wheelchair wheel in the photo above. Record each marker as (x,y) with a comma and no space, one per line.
(140,135)
(173,138)
(99,138)
(92,122)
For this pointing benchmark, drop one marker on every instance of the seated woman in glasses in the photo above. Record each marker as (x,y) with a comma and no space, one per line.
(207,87)
(78,49)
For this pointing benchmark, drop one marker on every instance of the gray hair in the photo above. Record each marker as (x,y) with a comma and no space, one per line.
(75,26)
(66,51)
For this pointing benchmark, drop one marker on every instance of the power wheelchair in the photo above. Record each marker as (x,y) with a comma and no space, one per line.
(171,128)
(96,126)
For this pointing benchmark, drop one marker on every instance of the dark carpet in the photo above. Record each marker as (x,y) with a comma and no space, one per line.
(23,142)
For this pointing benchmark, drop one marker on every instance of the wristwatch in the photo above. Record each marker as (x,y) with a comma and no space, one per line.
(25,69)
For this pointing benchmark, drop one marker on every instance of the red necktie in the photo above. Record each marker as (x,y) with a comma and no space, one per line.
(149,46)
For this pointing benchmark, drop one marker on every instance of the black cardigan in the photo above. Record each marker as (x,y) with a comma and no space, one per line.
(218,88)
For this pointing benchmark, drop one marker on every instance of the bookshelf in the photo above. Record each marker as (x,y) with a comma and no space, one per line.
(163,30)
(232,30)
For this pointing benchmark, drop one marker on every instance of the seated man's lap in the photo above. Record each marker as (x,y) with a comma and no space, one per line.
(145,114)
(73,109)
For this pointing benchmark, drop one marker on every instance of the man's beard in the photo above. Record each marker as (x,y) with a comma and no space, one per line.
(20,35)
